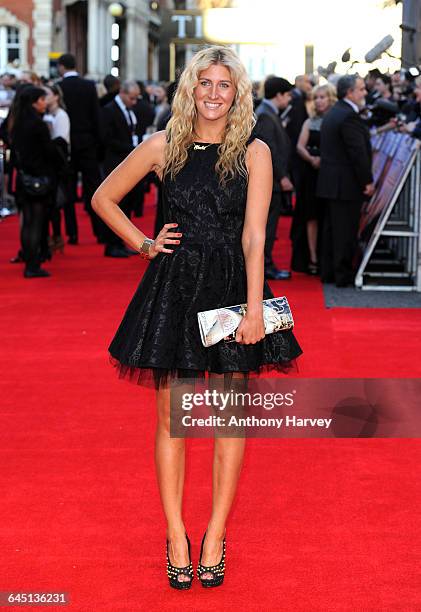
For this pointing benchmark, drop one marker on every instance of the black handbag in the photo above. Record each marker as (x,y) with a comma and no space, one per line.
(35,186)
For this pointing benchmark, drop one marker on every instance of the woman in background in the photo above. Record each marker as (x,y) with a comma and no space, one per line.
(35,156)
(308,213)
(59,124)
(10,167)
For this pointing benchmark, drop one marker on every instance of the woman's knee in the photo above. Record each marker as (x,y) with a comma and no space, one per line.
(163,408)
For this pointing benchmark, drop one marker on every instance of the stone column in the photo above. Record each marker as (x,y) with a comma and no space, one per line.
(94,35)
(42,16)
(104,40)
(137,24)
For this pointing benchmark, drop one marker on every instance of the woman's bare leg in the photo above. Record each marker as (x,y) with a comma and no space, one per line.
(170,467)
(312,239)
(227,463)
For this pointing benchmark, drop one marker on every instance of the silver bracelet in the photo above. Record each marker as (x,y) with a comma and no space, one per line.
(144,248)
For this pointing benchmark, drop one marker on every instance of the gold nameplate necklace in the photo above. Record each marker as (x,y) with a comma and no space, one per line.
(201,147)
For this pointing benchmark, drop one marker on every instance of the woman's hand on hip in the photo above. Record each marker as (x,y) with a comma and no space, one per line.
(251,329)
(164,237)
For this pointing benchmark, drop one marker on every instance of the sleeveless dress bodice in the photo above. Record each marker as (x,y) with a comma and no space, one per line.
(206,212)
(159,334)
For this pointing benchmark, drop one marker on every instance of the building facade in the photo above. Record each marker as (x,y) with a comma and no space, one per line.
(105,36)
(88,31)
(16,40)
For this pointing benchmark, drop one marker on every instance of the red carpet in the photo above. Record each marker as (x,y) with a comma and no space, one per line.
(316,525)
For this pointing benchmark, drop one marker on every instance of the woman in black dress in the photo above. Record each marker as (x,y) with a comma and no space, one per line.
(309,209)
(217,185)
(35,156)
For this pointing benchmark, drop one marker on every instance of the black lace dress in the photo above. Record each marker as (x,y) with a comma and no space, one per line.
(159,334)
(308,206)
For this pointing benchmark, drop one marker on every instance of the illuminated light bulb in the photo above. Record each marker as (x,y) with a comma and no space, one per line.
(115,31)
(115,9)
(115,53)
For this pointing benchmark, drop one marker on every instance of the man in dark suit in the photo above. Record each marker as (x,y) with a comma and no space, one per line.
(112,85)
(122,134)
(145,113)
(81,99)
(345,179)
(277,92)
(295,119)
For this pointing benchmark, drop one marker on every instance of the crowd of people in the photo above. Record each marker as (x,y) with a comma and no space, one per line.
(56,132)
(319,136)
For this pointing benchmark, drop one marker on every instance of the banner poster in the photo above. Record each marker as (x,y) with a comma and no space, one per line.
(393,153)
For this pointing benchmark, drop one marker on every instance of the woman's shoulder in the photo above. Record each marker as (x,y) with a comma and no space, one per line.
(154,144)
(30,119)
(61,118)
(62,113)
(255,144)
(257,153)
(154,148)
(257,148)
(34,124)
(158,140)
(315,122)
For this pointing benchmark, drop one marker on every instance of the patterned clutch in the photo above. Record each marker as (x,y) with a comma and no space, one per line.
(221,323)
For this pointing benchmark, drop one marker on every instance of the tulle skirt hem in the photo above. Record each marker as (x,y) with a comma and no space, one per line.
(158,377)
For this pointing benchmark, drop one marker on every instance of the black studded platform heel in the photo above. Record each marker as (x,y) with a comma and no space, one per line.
(173,571)
(217,571)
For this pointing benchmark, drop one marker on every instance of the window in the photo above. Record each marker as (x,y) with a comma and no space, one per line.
(13,44)
(10,46)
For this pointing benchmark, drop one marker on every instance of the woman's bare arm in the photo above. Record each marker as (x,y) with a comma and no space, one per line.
(147,157)
(303,141)
(259,193)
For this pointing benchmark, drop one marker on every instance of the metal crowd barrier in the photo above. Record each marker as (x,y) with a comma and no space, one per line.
(390,223)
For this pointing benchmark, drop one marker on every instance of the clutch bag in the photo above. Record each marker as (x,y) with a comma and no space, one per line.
(221,323)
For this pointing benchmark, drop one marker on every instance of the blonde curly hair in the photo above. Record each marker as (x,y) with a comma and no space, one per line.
(331,94)
(240,120)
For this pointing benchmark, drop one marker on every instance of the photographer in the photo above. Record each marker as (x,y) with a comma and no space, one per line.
(370,82)
(412,123)
(383,86)
(383,107)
